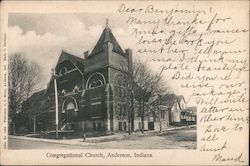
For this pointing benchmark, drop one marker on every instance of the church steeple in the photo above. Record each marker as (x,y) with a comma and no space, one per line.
(107,23)
(107,36)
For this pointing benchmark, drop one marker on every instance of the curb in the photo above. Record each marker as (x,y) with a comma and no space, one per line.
(49,141)
(88,142)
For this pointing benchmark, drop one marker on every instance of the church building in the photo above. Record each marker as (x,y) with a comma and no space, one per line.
(91,90)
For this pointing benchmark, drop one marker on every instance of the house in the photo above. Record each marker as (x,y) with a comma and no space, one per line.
(156,115)
(188,115)
(179,113)
(34,106)
(179,105)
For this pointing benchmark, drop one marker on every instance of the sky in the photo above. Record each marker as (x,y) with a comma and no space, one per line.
(42,37)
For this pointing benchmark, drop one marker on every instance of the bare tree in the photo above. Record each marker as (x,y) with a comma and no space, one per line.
(23,78)
(141,84)
(147,85)
(129,71)
(33,76)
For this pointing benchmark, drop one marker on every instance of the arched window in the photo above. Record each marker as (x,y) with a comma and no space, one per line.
(120,84)
(95,80)
(95,83)
(120,80)
(69,104)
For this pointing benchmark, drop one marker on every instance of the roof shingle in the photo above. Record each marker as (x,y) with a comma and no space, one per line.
(107,36)
(77,61)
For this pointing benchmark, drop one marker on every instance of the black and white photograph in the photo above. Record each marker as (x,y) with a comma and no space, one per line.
(78,86)
(124,82)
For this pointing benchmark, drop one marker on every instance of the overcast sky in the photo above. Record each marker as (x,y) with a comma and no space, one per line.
(41,37)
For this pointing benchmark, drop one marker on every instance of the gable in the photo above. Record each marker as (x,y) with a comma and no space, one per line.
(107,36)
(69,66)
(66,67)
(182,104)
(76,61)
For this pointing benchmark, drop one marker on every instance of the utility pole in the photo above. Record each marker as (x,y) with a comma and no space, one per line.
(56,101)
(34,125)
(129,107)
(159,103)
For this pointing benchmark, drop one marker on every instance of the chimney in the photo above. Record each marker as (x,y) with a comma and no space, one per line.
(130,63)
(86,54)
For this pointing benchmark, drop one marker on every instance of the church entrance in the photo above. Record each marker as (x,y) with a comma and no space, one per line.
(70,113)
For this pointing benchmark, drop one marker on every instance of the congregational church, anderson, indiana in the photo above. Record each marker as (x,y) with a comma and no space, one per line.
(93,97)
(91,90)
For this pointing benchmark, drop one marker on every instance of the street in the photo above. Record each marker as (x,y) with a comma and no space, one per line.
(175,139)
(28,144)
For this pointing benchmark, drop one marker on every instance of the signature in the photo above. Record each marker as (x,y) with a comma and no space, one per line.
(221,158)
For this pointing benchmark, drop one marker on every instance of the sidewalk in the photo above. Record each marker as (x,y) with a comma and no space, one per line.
(101,139)
(63,142)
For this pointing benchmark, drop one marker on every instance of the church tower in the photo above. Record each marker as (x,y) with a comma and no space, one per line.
(106,71)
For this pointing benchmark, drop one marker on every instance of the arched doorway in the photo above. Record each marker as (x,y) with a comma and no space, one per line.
(70,112)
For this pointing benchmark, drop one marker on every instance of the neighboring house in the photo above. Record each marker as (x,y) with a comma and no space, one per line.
(179,113)
(35,107)
(193,114)
(174,106)
(179,105)
(156,116)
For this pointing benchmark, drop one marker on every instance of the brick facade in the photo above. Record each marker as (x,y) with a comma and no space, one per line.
(92,93)
(90,90)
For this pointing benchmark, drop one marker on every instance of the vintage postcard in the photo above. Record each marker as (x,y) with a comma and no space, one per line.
(124,82)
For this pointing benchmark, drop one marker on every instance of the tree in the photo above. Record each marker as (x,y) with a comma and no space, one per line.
(141,84)
(23,81)
(147,85)
(129,71)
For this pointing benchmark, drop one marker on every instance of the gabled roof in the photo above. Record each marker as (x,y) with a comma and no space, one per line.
(181,97)
(33,103)
(107,36)
(77,61)
(169,99)
(37,96)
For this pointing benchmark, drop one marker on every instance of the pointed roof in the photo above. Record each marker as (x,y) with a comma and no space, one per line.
(77,61)
(181,97)
(37,96)
(168,100)
(107,36)
(33,104)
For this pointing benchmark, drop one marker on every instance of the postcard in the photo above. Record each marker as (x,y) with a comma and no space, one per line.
(124,82)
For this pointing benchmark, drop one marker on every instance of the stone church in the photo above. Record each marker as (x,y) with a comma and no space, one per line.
(91,90)
(93,96)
